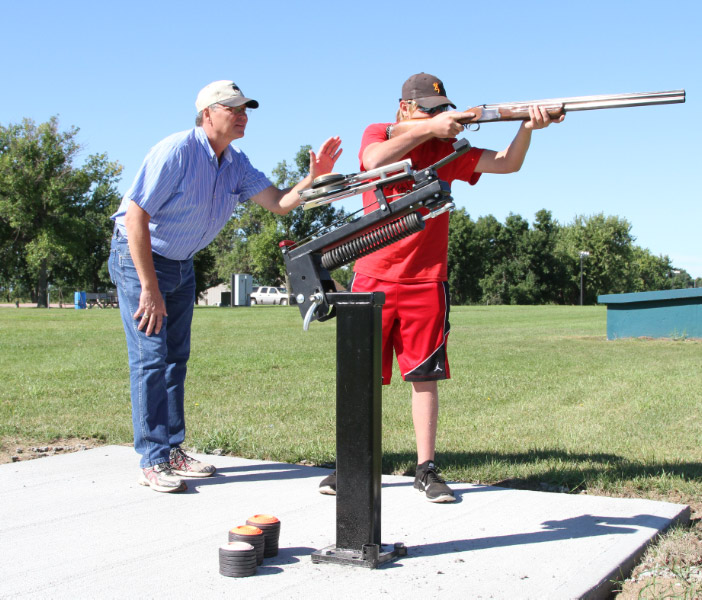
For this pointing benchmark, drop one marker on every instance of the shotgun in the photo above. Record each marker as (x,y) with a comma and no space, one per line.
(519,111)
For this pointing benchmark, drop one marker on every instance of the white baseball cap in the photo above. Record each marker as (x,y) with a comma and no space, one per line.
(222,92)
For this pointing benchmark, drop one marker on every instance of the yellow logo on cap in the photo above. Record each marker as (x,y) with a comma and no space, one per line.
(436,87)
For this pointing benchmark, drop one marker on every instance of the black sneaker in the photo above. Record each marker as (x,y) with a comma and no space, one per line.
(428,482)
(328,485)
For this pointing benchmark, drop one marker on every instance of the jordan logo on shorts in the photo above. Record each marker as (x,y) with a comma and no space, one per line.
(438,368)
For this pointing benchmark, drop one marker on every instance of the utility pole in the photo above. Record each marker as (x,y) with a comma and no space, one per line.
(583,254)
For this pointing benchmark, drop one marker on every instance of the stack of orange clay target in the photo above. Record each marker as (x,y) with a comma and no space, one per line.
(248,545)
(270,526)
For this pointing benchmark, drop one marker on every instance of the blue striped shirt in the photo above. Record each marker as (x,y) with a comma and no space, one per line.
(188,194)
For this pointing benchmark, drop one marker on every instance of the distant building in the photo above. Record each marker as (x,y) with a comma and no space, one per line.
(213,296)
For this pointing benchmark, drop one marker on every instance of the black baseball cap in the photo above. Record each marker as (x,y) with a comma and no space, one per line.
(427,90)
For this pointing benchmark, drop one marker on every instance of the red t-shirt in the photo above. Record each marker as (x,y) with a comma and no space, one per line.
(423,256)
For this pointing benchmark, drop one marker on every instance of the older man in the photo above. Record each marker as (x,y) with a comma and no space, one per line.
(184,193)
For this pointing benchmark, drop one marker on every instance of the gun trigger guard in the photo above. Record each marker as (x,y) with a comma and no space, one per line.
(469,126)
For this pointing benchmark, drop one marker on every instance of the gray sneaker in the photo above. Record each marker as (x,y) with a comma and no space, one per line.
(428,482)
(161,478)
(186,466)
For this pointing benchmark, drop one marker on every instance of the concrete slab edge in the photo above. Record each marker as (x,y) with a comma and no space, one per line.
(605,588)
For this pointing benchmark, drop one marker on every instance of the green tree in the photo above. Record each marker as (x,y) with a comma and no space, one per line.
(463,269)
(649,272)
(526,268)
(300,224)
(545,261)
(204,267)
(249,242)
(472,254)
(93,226)
(343,275)
(509,281)
(54,216)
(607,269)
(230,251)
(680,279)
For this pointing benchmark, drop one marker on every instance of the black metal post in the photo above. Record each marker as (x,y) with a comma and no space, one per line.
(358,433)
(358,419)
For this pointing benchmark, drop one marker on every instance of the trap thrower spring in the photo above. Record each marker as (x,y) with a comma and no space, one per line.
(373,240)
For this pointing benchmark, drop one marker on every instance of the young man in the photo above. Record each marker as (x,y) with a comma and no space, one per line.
(413,272)
(184,193)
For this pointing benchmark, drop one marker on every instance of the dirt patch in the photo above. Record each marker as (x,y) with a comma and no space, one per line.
(15,450)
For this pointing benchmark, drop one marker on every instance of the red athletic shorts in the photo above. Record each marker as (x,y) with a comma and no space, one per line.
(415,325)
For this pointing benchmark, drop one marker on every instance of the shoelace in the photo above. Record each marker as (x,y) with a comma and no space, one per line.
(163,467)
(431,476)
(179,455)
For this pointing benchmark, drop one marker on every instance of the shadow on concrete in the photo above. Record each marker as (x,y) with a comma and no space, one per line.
(253,473)
(577,527)
(286,556)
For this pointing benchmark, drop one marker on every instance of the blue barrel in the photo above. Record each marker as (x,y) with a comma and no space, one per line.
(79,300)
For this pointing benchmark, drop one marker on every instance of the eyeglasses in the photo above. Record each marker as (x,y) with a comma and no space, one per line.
(434,111)
(235,110)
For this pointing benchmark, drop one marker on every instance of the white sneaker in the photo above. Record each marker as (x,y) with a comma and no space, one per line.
(161,478)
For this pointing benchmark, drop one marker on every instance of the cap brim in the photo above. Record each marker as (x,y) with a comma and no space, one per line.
(434,101)
(239,101)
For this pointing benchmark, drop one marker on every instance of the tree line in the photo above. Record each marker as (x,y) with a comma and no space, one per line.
(55,235)
(518,263)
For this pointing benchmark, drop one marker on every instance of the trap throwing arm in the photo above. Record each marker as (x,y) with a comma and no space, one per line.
(308,265)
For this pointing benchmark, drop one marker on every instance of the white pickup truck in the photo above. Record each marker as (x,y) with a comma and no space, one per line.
(269,295)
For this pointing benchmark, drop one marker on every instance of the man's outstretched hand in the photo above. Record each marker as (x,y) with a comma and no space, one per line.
(323,162)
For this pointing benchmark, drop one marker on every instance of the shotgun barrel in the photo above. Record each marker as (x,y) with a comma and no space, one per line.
(519,111)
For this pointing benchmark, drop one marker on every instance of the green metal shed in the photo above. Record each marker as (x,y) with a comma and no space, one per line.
(661,314)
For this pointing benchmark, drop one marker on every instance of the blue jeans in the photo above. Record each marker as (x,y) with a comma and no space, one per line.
(157,363)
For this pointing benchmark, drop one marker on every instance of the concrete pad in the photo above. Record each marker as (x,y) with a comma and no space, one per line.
(79,526)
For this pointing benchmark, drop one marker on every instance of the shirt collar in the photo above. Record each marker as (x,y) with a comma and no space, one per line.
(202,139)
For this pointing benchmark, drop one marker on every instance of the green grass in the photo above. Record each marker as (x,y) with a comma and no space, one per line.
(538,394)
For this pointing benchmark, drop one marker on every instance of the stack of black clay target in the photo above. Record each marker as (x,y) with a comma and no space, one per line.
(237,559)
(250,535)
(248,545)
(270,526)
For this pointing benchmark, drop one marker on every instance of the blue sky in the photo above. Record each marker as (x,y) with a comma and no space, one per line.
(127,73)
